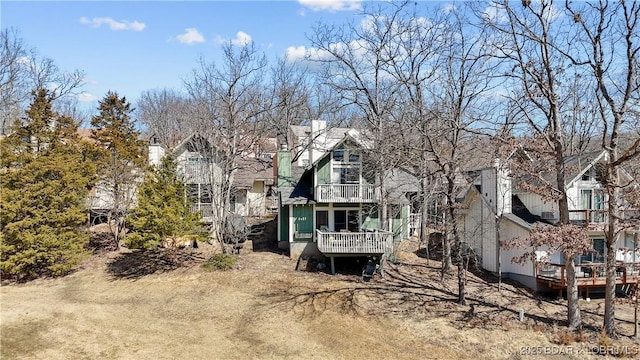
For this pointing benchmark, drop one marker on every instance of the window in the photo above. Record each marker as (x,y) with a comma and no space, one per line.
(346,175)
(354,156)
(342,155)
(347,220)
(598,255)
(191,191)
(322,220)
(338,155)
(206,194)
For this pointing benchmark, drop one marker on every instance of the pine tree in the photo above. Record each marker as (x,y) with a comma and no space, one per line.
(161,213)
(44,184)
(120,159)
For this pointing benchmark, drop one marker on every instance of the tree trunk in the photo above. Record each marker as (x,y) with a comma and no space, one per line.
(574,319)
(462,275)
(446,245)
(611,236)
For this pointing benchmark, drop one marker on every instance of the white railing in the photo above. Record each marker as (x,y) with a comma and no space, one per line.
(347,193)
(373,242)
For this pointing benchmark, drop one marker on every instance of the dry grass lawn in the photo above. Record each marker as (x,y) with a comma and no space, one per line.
(263,309)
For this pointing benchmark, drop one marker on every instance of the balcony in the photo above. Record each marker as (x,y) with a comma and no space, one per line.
(376,242)
(598,217)
(347,193)
(588,217)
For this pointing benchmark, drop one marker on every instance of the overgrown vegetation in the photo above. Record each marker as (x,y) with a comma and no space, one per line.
(161,214)
(45,180)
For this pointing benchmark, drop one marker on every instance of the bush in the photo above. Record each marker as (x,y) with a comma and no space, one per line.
(220,262)
(142,241)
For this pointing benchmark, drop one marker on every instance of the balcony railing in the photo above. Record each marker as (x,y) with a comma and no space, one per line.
(600,216)
(588,216)
(375,242)
(347,193)
(588,274)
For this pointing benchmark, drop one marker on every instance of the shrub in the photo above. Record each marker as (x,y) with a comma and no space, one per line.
(220,262)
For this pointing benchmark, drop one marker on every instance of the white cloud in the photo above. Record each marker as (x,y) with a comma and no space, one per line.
(242,39)
(495,13)
(295,53)
(86,97)
(449,8)
(332,5)
(113,24)
(190,36)
(298,53)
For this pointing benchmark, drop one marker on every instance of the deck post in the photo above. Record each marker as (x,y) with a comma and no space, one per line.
(333,265)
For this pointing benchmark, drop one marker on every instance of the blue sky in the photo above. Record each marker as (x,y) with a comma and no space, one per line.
(129,47)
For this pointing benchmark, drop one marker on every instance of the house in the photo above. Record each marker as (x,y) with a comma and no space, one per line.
(103,199)
(494,210)
(329,203)
(201,166)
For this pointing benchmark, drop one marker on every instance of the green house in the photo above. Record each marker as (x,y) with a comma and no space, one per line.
(331,206)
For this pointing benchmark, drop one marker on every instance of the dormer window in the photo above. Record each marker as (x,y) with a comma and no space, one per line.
(338,155)
(342,155)
(593,174)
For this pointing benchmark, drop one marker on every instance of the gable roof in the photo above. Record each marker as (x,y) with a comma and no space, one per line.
(250,170)
(578,165)
(352,135)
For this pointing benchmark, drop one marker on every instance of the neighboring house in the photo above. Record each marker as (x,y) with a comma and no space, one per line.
(493,210)
(329,202)
(199,164)
(253,193)
(101,201)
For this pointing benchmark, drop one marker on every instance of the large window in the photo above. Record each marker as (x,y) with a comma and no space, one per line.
(593,199)
(347,220)
(198,193)
(598,254)
(322,220)
(346,175)
(346,155)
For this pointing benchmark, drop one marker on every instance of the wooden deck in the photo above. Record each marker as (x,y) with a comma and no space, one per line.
(589,275)
(371,242)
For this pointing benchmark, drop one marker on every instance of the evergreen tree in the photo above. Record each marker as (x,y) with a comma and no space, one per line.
(161,213)
(120,159)
(45,180)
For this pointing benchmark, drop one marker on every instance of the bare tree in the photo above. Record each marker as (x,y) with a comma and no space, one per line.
(354,63)
(167,114)
(526,36)
(290,98)
(23,70)
(231,103)
(446,93)
(609,35)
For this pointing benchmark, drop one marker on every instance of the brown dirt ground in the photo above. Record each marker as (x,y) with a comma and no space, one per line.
(117,306)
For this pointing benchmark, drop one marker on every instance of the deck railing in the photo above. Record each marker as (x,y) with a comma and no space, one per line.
(588,273)
(371,242)
(588,216)
(347,193)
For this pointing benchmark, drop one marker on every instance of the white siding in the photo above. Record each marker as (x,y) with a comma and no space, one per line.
(256,204)
(156,153)
(510,231)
